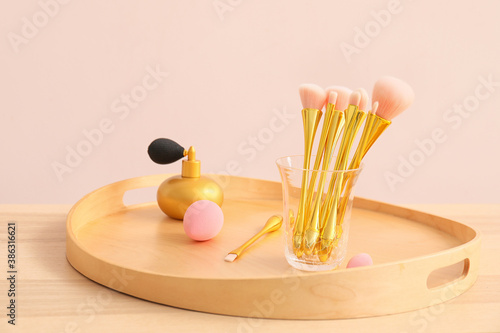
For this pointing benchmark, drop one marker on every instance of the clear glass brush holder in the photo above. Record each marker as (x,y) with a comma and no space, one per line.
(317,209)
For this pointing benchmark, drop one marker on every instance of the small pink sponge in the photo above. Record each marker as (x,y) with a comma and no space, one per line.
(203,220)
(359,260)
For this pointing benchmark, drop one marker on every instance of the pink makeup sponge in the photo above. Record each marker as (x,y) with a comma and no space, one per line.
(359,260)
(203,220)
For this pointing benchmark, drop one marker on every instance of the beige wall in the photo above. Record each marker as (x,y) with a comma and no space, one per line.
(222,75)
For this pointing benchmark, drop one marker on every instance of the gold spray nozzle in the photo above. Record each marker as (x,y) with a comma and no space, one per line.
(191,166)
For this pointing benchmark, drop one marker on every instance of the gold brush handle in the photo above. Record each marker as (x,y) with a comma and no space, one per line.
(374,127)
(363,142)
(322,146)
(312,232)
(327,241)
(273,224)
(354,118)
(310,119)
(329,216)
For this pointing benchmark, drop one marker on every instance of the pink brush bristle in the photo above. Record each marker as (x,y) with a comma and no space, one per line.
(355,98)
(374,108)
(332,97)
(363,103)
(312,96)
(393,97)
(343,94)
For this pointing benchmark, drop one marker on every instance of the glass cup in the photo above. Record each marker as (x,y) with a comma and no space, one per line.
(317,209)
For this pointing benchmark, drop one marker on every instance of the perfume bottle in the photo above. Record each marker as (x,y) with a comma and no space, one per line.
(177,193)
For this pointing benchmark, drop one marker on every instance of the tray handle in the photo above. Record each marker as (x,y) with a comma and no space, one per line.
(458,283)
(133,191)
(110,198)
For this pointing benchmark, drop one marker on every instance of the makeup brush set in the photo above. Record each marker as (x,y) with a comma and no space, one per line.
(327,184)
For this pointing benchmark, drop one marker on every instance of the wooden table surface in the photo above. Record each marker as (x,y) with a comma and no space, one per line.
(52,297)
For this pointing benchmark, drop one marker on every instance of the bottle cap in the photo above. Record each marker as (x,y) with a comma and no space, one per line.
(191,167)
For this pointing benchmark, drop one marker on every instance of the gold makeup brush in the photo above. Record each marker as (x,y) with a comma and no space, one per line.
(391,97)
(334,129)
(372,123)
(354,119)
(341,102)
(273,224)
(370,126)
(361,150)
(335,106)
(313,98)
(327,120)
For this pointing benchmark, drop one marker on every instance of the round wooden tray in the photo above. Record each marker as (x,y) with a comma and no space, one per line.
(420,259)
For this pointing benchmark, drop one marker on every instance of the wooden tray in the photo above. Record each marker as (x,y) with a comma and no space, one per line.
(420,259)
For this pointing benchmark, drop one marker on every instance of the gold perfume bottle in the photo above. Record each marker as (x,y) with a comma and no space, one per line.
(177,193)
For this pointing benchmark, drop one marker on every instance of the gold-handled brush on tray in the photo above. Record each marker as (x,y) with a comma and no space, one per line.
(313,98)
(322,206)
